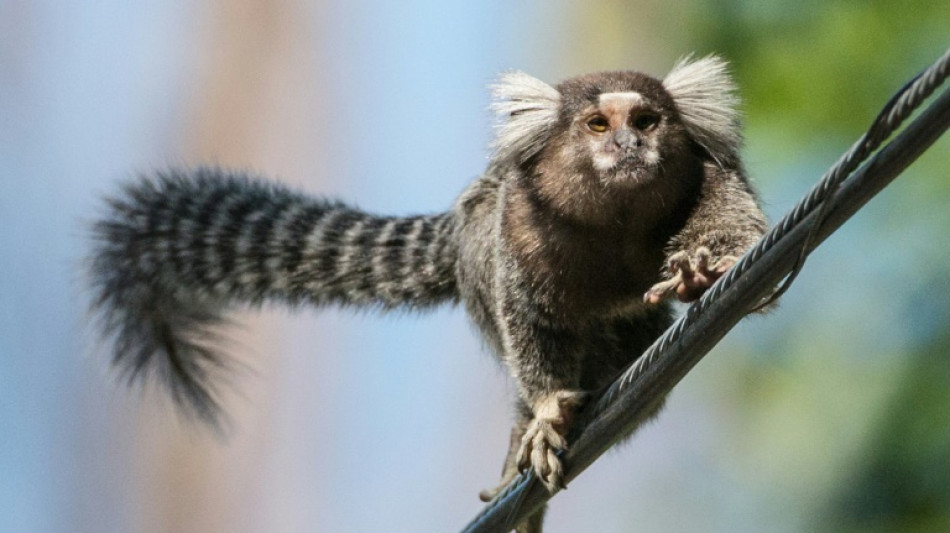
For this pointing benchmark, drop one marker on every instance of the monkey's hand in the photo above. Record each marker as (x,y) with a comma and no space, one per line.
(691,276)
(544,437)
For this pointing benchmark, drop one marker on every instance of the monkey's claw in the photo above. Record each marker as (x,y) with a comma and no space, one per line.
(544,437)
(691,276)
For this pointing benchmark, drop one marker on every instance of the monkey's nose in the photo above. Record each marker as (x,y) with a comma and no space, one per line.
(625,139)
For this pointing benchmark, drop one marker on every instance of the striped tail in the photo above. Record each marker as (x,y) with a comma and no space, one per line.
(174,252)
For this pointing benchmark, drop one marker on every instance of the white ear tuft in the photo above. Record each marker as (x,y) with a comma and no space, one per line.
(527,108)
(705,96)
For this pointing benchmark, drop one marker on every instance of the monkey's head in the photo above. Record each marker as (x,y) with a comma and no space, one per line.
(615,128)
(594,137)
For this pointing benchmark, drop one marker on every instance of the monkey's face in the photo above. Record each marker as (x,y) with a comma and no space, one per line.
(622,128)
(596,146)
(622,135)
(604,142)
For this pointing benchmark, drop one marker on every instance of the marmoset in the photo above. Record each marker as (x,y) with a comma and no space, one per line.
(605,195)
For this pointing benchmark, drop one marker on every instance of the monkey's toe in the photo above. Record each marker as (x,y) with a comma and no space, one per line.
(539,449)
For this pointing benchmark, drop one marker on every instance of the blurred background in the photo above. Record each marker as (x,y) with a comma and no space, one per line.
(830,414)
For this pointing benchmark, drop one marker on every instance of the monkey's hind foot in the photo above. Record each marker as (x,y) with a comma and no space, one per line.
(544,437)
(691,276)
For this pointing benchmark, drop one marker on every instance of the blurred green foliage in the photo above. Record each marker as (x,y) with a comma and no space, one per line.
(904,482)
(819,65)
(845,393)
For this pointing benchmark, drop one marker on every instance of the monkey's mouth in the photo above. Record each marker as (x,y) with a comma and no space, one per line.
(632,160)
(629,169)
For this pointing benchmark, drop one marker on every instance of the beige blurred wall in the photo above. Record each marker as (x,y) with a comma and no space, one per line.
(252,109)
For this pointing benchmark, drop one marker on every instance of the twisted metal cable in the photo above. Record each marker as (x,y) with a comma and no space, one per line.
(895,111)
(522,495)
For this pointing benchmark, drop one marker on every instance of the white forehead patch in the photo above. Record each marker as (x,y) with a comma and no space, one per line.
(628,98)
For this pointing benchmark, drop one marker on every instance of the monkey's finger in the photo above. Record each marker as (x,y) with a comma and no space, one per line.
(702,258)
(661,290)
(677,261)
(687,293)
(556,479)
(524,453)
(549,470)
(539,457)
(551,438)
(680,263)
(703,275)
(699,280)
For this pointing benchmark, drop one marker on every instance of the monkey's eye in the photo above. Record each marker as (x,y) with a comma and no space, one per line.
(598,124)
(646,121)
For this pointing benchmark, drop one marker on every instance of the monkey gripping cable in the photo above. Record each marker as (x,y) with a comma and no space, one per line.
(749,285)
